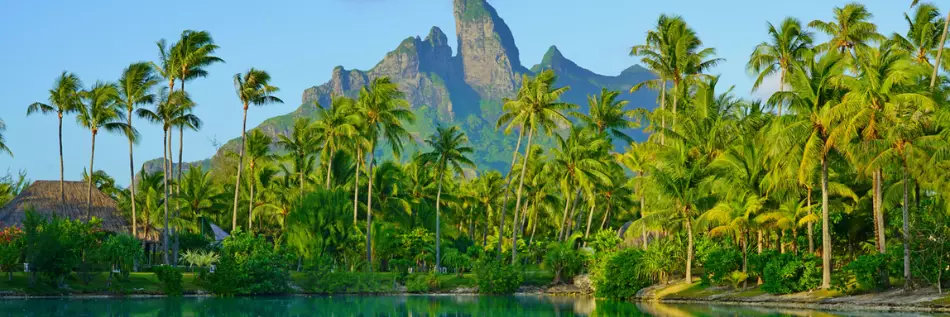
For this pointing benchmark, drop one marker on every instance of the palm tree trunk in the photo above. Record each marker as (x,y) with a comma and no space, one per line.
(504,204)
(534,221)
(906,215)
(675,101)
(329,171)
(240,167)
(524,170)
(879,212)
(811,226)
(759,240)
(943,40)
(132,182)
(438,223)
(252,183)
(562,234)
(356,184)
(62,178)
(165,187)
(745,253)
(92,159)
(603,223)
(663,118)
(825,228)
(181,149)
(781,88)
(781,241)
(689,251)
(369,206)
(590,218)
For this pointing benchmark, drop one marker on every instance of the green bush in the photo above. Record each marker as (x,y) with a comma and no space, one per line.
(788,273)
(563,260)
(456,260)
(248,266)
(867,272)
(422,283)
(170,278)
(121,251)
(719,264)
(621,275)
(495,277)
(11,250)
(56,246)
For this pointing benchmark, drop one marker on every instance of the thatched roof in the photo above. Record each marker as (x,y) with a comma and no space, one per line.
(44,198)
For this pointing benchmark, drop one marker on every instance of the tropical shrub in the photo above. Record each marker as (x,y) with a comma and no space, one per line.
(788,273)
(199,258)
(496,277)
(121,251)
(248,265)
(736,277)
(622,275)
(170,278)
(55,246)
(605,241)
(422,283)
(563,260)
(719,264)
(11,250)
(456,260)
(193,241)
(867,272)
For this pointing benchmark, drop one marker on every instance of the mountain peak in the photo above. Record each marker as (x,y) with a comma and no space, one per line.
(486,48)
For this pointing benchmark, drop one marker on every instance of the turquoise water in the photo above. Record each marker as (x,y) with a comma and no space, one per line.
(447,305)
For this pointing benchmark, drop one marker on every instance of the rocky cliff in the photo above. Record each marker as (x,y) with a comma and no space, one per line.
(467,88)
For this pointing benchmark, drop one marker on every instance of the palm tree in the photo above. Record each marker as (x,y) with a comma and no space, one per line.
(170,111)
(192,53)
(488,187)
(656,55)
(3,144)
(943,41)
(885,76)
(200,194)
(815,89)
(787,45)
(253,88)
(100,110)
(449,150)
(335,126)
(541,110)
(149,197)
(580,157)
(637,159)
(922,37)
(258,150)
(850,28)
(383,111)
(606,115)
(135,90)
(63,99)
(299,144)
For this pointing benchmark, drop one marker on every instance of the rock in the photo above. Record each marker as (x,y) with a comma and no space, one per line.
(584,284)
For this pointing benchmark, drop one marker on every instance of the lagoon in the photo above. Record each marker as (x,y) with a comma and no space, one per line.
(396,305)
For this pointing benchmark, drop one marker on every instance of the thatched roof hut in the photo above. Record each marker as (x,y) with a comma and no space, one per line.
(44,198)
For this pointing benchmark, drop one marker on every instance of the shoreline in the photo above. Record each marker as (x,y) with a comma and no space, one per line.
(819,306)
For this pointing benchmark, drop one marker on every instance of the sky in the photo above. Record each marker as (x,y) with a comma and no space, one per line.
(299,43)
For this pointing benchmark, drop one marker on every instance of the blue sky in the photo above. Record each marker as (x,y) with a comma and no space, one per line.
(299,43)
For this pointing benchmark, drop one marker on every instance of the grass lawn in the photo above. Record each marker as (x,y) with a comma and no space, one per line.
(137,283)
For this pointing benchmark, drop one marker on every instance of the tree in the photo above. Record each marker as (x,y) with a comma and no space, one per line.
(943,41)
(449,150)
(607,115)
(200,195)
(541,110)
(815,90)
(171,110)
(63,99)
(135,90)
(3,143)
(253,88)
(258,150)
(299,144)
(580,157)
(383,111)
(100,110)
(923,34)
(335,126)
(849,29)
(786,46)
(656,54)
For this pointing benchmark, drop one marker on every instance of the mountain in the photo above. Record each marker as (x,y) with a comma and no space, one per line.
(464,89)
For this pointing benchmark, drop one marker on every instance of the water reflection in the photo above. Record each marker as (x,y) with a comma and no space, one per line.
(463,305)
